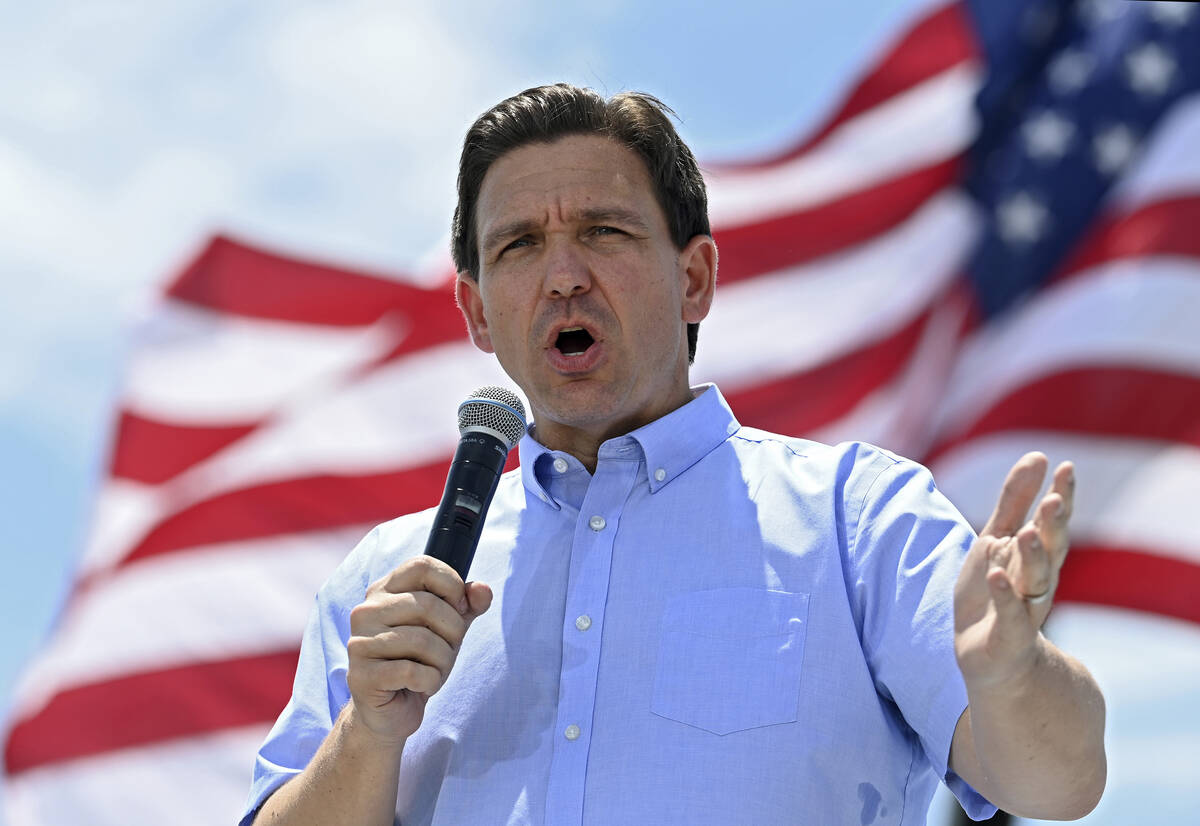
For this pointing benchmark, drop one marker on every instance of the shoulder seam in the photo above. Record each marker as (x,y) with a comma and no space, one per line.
(772,440)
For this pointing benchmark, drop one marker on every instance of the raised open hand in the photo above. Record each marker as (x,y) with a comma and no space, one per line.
(1008,580)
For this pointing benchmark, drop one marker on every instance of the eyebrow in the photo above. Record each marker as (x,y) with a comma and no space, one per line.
(520,226)
(616,214)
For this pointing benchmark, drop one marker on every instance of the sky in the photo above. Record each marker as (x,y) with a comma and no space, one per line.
(130,132)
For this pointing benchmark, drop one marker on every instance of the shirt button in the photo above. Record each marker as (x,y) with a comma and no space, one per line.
(571,732)
(597,523)
(660,474)
(560,464)
(583,622)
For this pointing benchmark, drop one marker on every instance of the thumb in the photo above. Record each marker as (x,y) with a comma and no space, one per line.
(477,599)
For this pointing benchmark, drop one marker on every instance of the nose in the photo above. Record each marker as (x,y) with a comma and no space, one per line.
(567,272)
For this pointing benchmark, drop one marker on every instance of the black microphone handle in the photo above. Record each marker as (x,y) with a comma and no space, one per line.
(470,485)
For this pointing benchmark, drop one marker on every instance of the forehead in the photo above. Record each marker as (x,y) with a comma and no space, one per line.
(572,173)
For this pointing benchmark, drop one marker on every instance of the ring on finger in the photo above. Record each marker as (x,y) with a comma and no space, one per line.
(1039,599)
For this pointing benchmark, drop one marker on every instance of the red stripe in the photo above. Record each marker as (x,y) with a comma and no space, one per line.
(1129,578)
(937,42)
(1110,401)
(152,707)
(153,452)
(236,279)
(1162,228)
(788,240)
(298,505)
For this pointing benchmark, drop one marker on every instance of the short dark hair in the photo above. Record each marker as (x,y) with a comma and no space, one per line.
(544,114)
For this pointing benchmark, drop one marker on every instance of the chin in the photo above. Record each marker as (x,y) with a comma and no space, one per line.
(578,404)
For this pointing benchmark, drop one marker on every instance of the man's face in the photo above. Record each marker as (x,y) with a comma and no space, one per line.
(581,293)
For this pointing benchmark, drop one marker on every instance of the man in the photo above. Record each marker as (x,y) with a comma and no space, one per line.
(677,619)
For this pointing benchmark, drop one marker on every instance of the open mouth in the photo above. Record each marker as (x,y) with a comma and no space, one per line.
(573,341)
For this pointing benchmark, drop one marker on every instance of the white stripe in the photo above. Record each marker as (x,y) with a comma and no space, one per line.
(211,603)
(1137,313)
(921,126)
(196,781)
(123,513)
(785,322)
(198,366)
(1132,493)
(400,415)
(1169,166)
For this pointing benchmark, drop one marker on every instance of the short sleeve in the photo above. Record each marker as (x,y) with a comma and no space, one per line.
(907,545)
(320,690)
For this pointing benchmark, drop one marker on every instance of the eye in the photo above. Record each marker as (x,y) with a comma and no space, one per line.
(523,241)
(607,230)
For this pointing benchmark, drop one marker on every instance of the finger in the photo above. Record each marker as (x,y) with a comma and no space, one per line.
(382,611)
(1050,520)
(397,675)
(1012,618)
(1034,571)
(1020,488)
(410,642)
(424,573)
(1000,554)
(1064,486)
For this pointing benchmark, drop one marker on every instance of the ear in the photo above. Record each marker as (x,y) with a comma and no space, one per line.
(470,302)
(698,269)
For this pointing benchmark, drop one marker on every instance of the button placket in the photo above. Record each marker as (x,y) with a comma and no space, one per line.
(591,558)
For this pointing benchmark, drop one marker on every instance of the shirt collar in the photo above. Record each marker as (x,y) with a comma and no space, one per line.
(670,445)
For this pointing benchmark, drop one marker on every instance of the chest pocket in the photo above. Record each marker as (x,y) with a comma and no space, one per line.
(730,659)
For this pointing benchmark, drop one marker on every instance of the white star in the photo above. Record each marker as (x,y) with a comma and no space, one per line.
(1171,14)
(1047,136)
(1113,147)
(1150,68)
(1070,70)
(1021,218)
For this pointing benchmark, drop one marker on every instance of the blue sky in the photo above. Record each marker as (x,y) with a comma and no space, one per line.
(130,131)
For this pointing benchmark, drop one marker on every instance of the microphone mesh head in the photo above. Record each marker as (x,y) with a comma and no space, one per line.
(495,408)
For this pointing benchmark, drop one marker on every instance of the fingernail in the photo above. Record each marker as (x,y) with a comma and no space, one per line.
(463,605)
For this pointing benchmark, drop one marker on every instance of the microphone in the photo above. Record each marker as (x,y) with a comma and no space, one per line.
(491,421)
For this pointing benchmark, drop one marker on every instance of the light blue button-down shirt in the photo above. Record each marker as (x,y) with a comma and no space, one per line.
(720,625)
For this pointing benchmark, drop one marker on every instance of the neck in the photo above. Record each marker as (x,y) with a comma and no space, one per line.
(582,440)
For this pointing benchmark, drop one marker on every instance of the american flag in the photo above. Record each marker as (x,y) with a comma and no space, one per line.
(989,246)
